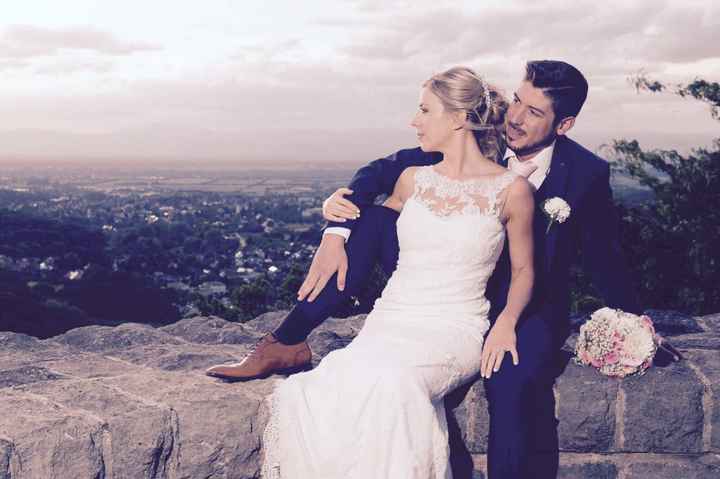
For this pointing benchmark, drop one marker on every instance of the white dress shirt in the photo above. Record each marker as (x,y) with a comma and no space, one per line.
(542,160)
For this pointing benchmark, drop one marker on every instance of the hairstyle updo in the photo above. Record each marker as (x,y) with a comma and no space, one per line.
(461,89)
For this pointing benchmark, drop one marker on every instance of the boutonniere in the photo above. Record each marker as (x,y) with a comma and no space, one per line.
(557,210)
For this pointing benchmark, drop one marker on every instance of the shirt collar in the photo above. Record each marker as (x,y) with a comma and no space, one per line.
(542,159)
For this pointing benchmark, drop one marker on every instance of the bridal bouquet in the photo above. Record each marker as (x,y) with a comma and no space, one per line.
(617,343)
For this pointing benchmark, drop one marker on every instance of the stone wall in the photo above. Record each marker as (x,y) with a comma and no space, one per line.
(132,402)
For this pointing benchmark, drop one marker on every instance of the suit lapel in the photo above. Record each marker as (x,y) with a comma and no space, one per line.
(555,185)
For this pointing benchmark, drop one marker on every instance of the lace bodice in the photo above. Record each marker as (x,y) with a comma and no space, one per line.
(450,235)
(448,197)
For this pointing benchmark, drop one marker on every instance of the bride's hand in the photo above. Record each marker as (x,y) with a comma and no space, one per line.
(500,340)
(337,208)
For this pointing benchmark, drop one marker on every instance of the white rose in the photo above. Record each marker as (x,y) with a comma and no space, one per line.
(640,347)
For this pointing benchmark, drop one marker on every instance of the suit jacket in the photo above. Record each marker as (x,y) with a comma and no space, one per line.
(576,175)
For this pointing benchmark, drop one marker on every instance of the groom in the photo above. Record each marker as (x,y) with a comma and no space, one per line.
(543,110)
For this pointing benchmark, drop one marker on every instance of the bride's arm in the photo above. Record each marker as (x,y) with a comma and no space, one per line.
(403,189)
(519,209)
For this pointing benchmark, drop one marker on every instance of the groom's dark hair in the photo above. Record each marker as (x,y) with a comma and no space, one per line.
(566,87)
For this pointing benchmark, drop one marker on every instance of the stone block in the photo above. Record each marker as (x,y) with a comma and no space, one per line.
(711,322)
(6,450)
(89,365)
(26,375)
(106,339)
(672,323)
(142,436)
(181,357)
(586,409)
(708,341)
(471,411)
(133,401)
(265,323)
(663,411)
(600,470)
(210,330)
(49,440)
(707,366)
(19,342)
(220,424)
(673,469)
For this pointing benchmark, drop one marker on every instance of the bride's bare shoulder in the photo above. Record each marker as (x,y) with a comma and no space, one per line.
(404,187)
(407,177)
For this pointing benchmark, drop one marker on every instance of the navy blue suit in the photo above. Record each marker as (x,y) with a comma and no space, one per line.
(519,397)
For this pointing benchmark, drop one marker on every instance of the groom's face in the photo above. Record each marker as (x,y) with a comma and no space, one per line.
(530,121)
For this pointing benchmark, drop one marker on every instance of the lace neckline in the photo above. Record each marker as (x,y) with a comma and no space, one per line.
(447,197)
(469,181)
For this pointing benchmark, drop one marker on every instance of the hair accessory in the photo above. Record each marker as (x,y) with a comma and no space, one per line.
(487,99)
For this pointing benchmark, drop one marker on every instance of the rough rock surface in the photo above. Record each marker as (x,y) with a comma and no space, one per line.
(132,401)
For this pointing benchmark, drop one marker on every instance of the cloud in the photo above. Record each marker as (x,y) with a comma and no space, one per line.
(66,68)
(345,85)
(596,35)
(12,64)
(268,52)
(26,41)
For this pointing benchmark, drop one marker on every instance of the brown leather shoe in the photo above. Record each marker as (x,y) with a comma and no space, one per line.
(268,356)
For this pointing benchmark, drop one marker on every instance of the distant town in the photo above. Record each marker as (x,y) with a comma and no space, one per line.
(209,239)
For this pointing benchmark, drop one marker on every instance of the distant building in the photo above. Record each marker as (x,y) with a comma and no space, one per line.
(268,225)
(309,213)
(212,288)
(48,264)
(6,262)
(179,286)
(75,275)
(189,310)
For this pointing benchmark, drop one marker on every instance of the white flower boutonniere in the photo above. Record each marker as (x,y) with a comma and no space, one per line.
(557,210)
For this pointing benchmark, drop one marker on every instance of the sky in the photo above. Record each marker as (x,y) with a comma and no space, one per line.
(325,80)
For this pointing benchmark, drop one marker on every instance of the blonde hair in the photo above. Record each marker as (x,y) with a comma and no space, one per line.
(461,89)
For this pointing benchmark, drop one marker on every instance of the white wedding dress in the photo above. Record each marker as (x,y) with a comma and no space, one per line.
(374,410)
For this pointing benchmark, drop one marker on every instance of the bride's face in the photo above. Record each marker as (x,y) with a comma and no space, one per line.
(434,125)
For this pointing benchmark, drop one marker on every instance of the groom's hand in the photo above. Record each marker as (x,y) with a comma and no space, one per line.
(329,258)
(500,340)
(336,208)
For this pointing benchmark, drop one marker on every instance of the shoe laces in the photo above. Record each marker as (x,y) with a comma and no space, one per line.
(256,345)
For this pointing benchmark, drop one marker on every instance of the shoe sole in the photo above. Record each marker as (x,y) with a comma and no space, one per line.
(284,372)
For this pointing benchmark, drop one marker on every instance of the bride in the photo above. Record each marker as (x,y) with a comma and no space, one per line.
(375,408)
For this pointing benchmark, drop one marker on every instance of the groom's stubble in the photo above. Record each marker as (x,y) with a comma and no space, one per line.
(533,148)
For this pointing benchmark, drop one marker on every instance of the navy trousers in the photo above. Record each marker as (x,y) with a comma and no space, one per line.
(523,439)
(374,240)
(520,398)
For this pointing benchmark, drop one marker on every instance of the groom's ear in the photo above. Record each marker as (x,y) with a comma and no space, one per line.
(565,125)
